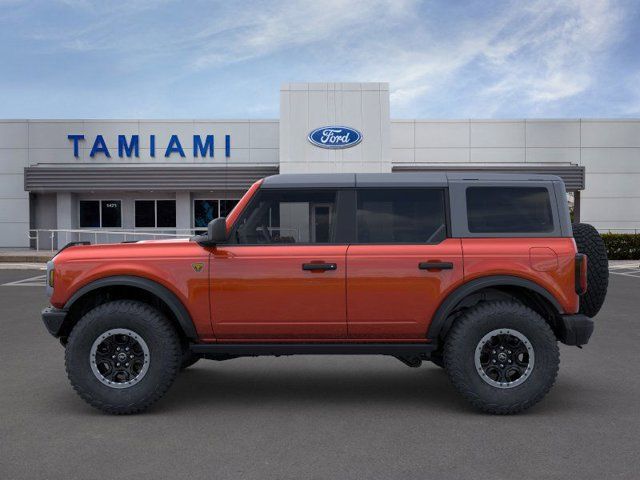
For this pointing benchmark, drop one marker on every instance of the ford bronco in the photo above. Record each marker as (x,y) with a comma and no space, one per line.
(482,274)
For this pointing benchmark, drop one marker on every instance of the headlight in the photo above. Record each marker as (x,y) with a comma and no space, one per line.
(49,279)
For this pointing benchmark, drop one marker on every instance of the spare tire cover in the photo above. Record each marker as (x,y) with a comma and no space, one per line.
(589,242)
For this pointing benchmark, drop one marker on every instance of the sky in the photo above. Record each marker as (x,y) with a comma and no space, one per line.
(207,59)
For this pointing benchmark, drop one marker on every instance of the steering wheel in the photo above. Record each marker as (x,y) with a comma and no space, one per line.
(265,233)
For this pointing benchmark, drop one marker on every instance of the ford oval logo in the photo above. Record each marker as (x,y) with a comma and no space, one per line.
(335,137)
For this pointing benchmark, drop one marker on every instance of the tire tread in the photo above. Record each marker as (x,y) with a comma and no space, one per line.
(455,342)
(164,329)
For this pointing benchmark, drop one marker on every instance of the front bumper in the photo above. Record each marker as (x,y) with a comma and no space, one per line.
(575,329)
(53,319)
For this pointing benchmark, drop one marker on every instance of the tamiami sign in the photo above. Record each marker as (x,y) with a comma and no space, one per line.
(130,146)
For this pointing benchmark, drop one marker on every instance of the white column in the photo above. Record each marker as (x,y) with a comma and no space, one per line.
(183,210)
(307,106)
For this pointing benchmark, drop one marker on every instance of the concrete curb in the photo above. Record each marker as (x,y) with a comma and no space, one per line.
(44,258)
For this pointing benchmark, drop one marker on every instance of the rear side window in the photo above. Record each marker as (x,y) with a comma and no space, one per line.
(401,216)
(509,210)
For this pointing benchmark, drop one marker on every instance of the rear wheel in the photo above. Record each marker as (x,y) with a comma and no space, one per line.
(502,357)
(122,356)
(589,242)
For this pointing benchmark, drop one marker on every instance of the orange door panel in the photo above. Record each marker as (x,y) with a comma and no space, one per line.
(278,292)
(389,295)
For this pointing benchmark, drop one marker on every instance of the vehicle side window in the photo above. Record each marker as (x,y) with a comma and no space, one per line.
(401,215)
(509,210)
(291,216)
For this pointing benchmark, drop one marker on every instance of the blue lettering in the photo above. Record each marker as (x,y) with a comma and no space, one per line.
(174,147)
(203,149)
(227,146)
(131,148)
(75,139)
(152,146)
(99,146)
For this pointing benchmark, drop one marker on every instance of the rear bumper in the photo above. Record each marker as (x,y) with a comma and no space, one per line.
(53,319)
(575,329)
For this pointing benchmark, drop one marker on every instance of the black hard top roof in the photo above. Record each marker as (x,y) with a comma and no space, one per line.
(404,179)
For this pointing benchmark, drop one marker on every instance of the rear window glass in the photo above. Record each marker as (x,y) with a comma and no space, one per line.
(401,216)
(509,209)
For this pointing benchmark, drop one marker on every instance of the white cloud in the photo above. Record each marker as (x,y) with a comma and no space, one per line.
(543,53)
(533,54)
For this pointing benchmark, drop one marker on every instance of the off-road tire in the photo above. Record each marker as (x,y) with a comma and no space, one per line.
(589,242)
(464,337)
(164,352)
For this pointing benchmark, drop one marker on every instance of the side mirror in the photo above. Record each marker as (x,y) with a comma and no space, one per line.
(217,231)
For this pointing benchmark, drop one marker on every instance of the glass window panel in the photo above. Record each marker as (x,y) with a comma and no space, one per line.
(509,210)
(89,214)
(166,213)
(226,206)
(203,212)
(111,214)
(145,213)
(401,216)
(305,216)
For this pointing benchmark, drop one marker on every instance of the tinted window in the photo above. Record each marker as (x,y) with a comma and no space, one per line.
(100,213)
(166,214)
(204,211)
(401,216)
(89,214)
(226,206)
(509,209)
(305,216)
(111,213)
(145,213)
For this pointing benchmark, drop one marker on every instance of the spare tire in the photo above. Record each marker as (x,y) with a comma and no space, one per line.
(589,242)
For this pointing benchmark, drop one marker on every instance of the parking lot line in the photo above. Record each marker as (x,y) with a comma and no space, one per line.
(37,281)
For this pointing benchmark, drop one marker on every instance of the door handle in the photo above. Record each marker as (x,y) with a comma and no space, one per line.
(319,266)
(435,266)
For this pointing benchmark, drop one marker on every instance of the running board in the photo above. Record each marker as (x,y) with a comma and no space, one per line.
(422,350)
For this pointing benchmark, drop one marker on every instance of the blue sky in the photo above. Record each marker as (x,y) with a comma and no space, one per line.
(205,59)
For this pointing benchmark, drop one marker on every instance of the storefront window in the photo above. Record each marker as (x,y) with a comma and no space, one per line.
(226,206)
(100,214)
(155,213)
(206,210)
(166,214)
(145,214)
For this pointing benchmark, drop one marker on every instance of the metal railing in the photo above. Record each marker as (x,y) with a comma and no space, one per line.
(52,239)
(619,230)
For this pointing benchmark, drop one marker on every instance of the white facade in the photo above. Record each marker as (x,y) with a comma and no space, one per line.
(363,106)
(608,149)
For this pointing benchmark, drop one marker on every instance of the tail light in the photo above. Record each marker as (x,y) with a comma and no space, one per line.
(581,273)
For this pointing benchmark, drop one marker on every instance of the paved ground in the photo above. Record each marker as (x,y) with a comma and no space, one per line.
(319,417)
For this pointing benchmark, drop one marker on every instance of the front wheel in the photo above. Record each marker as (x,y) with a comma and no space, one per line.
(122,356)
(502,357)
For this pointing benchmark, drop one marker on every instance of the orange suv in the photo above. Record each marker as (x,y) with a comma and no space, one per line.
(480,274)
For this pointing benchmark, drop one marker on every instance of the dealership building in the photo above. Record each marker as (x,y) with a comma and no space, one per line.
(77,179)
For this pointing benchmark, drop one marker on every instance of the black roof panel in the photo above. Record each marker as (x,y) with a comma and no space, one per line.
(402,179)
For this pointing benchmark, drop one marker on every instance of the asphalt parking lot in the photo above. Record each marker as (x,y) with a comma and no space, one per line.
(318,417)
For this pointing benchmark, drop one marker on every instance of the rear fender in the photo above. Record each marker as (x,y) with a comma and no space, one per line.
(442,319)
